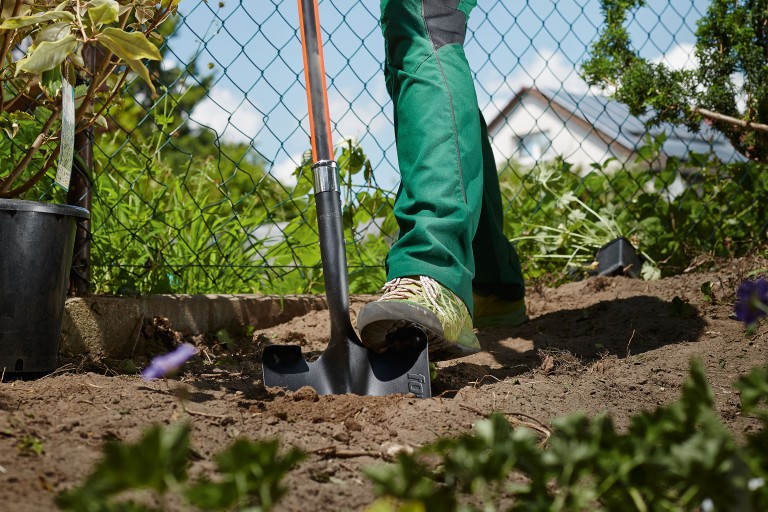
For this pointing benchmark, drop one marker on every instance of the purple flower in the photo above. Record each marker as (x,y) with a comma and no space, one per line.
(166,364)
(751,301)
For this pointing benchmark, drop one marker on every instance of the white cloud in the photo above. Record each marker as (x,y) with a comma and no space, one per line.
(363,115)
(681,56)
(168,63)
(231,116)
(741,96)
(283,171)
(549,70)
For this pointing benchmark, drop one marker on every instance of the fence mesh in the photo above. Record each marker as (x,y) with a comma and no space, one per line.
(203,188)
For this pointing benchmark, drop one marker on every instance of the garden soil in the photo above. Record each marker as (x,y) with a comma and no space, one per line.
(614,345)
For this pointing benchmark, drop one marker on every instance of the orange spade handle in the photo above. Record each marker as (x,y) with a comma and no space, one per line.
(314,75)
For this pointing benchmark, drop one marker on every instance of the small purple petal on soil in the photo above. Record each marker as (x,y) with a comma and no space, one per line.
(168,363)
(751,301)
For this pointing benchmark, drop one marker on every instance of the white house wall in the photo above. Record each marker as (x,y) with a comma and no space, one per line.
(572,141)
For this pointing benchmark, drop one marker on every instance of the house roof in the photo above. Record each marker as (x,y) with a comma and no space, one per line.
(612,122)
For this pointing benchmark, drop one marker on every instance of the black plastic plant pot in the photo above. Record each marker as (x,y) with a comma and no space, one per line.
(618,258)
(36,243)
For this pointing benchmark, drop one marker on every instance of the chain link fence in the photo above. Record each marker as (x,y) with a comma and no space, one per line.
(202,188)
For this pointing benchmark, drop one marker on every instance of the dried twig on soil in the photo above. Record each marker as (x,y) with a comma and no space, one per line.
(64,369)
(514,418)
(334,452)
(138,333)
(630,342)
(560,362)
(699,261)
(220,374)
(204,414)
(446,393)
(534,424)
(204,351)
(479,381)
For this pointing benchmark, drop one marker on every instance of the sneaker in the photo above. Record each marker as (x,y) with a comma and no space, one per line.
(411,305)
(493,311)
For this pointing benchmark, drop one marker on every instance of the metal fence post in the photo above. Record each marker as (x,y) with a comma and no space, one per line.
(79,194)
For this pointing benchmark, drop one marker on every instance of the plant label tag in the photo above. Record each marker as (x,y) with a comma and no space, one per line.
(67,142)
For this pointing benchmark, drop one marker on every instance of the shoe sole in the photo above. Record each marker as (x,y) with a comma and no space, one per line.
(390,324)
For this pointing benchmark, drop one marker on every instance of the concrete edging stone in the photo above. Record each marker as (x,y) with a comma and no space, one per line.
(111,327)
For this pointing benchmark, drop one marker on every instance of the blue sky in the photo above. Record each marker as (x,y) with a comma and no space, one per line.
(255,52)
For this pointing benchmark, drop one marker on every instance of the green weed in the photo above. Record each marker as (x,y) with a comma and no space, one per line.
(248,475)
(30,445)
(672,459)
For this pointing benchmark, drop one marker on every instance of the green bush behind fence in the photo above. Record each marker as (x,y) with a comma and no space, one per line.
(204,187)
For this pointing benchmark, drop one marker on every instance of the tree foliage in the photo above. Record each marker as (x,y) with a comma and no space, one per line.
(728,86)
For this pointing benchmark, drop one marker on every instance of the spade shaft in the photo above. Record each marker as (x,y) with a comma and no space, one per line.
(314,75)
(325,173)
(345,366)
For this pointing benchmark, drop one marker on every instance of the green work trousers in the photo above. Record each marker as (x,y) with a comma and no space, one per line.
(449,205)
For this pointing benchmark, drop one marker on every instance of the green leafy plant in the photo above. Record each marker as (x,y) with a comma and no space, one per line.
(563,220)
(249,475)
(364,206)
(157,232)
(678,457)
(148,239)
(721,212)
(31,445)
(93,45)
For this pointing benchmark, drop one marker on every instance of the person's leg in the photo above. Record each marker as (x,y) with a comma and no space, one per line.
(498,284)
(438,135)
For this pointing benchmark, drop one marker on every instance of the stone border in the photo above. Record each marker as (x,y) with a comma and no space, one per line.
(111,327)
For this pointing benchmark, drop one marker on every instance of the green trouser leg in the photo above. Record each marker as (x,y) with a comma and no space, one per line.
(497,266)
(449,188)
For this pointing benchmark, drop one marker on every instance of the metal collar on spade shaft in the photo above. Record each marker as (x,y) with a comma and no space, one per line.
(326,176)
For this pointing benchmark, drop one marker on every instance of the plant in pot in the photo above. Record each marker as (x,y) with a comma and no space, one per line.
(63,64)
